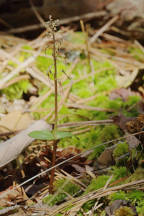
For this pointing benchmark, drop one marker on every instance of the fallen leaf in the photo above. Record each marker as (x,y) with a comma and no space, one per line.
(125,81)
(132,141)
(106,157)
(15,121)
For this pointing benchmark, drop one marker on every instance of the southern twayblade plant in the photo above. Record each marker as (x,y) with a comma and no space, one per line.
(53,135)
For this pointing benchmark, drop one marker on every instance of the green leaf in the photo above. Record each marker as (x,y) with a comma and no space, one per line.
(48,135)
(62,134)
(42,135)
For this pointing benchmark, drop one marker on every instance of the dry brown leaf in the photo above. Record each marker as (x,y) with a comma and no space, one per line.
(132,141)
(127,79)
(15,121)
(106,157)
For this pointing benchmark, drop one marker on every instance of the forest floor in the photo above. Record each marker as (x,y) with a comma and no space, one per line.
(99,167)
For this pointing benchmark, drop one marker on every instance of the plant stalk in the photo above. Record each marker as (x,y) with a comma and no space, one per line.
(56,114)
(53,164)
(55,82)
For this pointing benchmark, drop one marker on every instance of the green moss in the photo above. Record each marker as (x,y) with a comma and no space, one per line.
(76,37)
(70,187)
(124,211)
(105,134)
(97,183)
(13,64)
(135,195)
(119,172)
(120,195)
(43,63)
(66,188)
(109,132)
(53,200)
(88,205)
(93,138)
(16,90)
(46,65)
(81,90)
(140,208)
(105,79)
(104,65)
(121,149)
(84,141)
(116,104)
(132,100)
(137,175)
(24,54)
(137,53)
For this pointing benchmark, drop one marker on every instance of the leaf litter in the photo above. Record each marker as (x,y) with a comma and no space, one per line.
(90,101)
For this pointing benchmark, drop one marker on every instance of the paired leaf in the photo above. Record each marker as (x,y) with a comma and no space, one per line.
(48,135)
